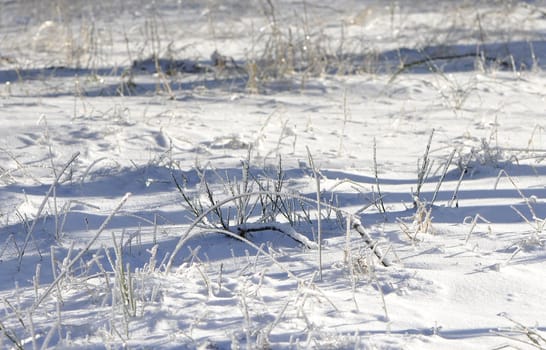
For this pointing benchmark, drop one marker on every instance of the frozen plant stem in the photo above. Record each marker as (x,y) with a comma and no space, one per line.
(202,216)
(456,191)
(523,197)
(357,226)
(473,225)
(423,170)
(319,229)
(41,208)
(8,333)
(347,255)
(82,253)
(381,204)
(444,172)
(345,120)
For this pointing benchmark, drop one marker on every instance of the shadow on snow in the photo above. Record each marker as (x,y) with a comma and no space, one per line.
(141,78)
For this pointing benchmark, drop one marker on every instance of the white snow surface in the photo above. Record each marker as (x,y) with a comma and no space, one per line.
(88,116)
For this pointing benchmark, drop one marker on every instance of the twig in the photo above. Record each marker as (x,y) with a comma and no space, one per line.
(187,234)
(428,60)
(357,226)
(242,230)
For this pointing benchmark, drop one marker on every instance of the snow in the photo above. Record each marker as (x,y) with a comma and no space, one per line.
(99,248)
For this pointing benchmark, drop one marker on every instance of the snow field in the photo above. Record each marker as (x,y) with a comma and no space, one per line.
(105,130)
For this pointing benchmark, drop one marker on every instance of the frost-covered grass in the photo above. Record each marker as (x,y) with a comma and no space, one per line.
(223,175)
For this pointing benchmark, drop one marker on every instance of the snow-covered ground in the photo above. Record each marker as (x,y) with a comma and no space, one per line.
(123,121)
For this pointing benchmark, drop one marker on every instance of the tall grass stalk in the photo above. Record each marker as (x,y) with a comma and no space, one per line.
(11,336)
(531,336)
(77,258)
(381,204)
(422,171)
(443,176)
(473,224)
(454,196)
(346,118)
(319,228)
(516,187)
(124,280)
(41,208)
